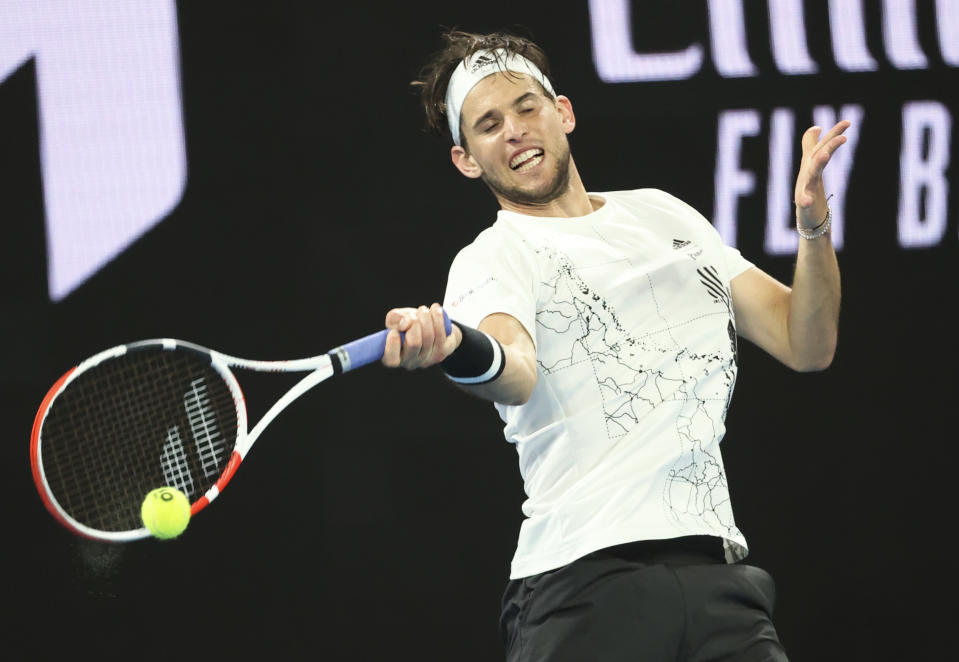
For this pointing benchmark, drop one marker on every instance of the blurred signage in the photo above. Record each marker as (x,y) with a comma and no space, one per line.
(926,123)
(112,145)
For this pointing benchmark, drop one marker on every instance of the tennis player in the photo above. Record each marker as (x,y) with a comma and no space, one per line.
(603,327)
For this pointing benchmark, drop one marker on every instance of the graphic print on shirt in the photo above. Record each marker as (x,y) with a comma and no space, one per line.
(636,374)
(709,277)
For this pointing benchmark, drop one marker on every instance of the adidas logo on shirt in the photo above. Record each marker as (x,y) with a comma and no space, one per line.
(687,247)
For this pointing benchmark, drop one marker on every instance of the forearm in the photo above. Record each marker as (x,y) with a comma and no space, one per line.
(813,316)
(799,325)
(515,384)
(496,361)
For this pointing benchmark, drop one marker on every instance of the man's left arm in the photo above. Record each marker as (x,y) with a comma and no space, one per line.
(798,325)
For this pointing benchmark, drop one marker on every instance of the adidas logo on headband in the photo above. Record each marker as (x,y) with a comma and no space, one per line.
(482,61)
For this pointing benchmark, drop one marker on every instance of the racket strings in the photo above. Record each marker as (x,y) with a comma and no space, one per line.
(142,420)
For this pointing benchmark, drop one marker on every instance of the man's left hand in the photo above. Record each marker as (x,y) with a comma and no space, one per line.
(810,192)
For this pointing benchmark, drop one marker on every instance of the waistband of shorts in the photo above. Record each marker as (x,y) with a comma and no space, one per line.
(684,550)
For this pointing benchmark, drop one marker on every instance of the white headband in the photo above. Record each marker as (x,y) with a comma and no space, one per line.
(475,68)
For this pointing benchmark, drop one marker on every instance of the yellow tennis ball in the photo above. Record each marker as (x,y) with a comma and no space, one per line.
(165,512)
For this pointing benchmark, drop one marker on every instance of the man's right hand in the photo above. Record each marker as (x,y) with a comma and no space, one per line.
(426,342)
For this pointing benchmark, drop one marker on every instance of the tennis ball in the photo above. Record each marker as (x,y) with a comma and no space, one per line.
(165,512)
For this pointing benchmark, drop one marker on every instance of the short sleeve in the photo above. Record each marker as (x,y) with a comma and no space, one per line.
(735,262)
(494,274)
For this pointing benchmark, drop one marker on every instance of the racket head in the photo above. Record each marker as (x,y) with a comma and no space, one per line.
(131,419)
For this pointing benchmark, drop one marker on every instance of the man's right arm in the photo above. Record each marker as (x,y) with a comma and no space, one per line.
(426,345)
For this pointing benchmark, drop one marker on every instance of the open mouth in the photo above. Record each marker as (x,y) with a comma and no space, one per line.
(527,159)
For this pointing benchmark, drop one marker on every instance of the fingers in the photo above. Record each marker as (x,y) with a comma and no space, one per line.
(420,337)
(424,337)
(810,138)
(391,353)
(396,315)
(817,150)
(397,321)
(822,155)
(831,146)
(813,141)
(445,343)
(837,130)
(439,328)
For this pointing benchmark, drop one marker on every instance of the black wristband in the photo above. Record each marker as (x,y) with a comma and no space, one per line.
(479,359)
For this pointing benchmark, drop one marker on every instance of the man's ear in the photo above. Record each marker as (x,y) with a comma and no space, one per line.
(465,163)
(565,108)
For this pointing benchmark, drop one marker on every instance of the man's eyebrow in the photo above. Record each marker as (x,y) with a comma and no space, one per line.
(523,98)
(489,113)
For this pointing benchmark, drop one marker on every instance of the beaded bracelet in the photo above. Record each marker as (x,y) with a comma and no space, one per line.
(817,231)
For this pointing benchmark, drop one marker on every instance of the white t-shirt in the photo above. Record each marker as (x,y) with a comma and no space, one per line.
(631,313)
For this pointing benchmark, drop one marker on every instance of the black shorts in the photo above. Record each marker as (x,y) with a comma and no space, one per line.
(644,602)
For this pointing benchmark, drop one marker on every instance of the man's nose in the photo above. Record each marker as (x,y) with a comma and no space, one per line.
(514,126)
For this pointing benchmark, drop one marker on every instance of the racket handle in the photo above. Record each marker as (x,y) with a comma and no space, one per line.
(369,349)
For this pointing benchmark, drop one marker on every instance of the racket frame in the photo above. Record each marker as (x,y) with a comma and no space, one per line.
(320,368)
(344,358)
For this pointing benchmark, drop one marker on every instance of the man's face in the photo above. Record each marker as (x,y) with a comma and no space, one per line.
(517,138)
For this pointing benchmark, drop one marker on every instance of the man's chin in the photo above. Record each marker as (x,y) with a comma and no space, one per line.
(531,195)
(535,199)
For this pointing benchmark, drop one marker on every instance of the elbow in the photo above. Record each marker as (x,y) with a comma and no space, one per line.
(814,366)
(819,361)
(522,397)
(524,391)
(516,399)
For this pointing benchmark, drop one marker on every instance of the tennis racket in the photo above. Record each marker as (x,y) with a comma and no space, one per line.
(157,413)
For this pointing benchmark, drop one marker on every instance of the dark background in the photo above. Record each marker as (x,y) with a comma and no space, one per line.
(377,517)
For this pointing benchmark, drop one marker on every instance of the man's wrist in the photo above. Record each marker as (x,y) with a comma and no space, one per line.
(819,230)
(479,358)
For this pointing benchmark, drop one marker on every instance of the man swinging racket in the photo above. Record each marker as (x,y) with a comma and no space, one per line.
(603,327)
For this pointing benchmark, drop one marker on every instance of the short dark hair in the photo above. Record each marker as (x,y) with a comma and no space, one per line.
(434,77)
